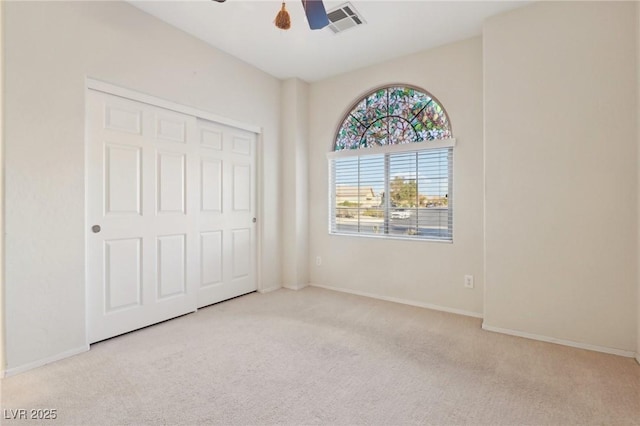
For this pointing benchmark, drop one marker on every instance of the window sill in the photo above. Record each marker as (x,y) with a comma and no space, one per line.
(391,237)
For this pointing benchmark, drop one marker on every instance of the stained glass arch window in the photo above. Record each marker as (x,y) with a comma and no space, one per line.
(393,115)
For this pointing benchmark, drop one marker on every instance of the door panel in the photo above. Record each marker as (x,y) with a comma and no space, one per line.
(171,128)
(211,185)
(171,265)
(123,118)
(211,261)
(122,273)
(171,183)
(174,199)
(211,138)
(123,183)
(138,264)
(242,145)
(226,217)
(241,252)
(241,188)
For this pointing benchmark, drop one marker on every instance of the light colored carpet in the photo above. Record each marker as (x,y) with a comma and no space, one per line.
(320,357)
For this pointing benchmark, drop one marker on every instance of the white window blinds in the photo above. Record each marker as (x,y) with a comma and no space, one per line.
(393,191)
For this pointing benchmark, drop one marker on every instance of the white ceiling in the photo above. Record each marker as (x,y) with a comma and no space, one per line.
(245,30)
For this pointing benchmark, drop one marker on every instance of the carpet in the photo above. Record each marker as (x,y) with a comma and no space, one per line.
(317,356)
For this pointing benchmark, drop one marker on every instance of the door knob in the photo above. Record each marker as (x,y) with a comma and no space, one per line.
(95,229)
(254,220)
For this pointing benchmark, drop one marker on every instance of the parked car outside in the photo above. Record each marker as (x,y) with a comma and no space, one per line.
(400,214)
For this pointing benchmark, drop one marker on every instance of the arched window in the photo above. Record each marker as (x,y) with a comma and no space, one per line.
(393,115)
(392,167)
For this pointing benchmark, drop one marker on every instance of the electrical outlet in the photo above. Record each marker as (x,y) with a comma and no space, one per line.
(468,281)
(318,261)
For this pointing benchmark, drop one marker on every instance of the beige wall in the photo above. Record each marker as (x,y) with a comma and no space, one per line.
(295,199)
(51,47)
(416,271)
(561,172)
(638,167)
(2,310)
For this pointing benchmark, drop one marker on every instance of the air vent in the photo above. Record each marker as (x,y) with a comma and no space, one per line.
(344,17)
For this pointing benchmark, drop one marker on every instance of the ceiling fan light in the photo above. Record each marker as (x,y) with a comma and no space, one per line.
(283,20)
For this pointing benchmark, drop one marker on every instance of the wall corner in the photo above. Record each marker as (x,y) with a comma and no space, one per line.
(294,124)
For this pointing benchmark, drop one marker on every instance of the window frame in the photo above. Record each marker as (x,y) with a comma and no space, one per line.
(386,150)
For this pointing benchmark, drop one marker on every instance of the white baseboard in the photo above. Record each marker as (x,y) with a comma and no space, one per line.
(295,286)
(39,363)
(268,290)
(403,301)
(596,348)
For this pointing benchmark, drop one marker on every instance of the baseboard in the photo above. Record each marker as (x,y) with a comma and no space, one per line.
(596,348)
(268,290)
(295,286)
(44,361)
(402,301)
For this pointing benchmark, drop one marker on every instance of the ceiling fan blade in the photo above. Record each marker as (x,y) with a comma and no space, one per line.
(316,14)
